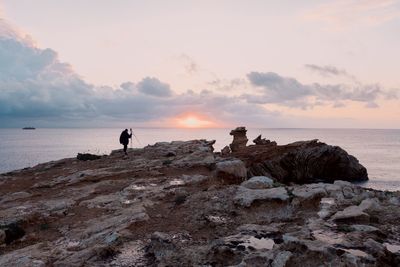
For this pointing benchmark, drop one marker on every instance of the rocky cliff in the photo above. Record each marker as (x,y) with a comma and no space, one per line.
(181,204)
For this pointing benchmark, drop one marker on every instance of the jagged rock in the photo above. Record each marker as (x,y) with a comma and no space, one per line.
(239,139)
(87,156)
(302,162)
(245,197)
(258,182)
(225,151)
(233,169)
(139,211)
(262,141)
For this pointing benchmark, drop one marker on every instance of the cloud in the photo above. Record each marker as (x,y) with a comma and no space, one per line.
(190,65)
(328,71)
(154,87)
(37,88)
(342,14)
(290,92)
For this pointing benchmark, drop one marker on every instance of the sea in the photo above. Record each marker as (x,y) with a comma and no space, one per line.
(377,149)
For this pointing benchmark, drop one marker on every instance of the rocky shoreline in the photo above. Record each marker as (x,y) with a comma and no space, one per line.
(182,204)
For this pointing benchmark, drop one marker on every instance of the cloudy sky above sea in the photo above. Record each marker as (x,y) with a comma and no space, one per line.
(256,63)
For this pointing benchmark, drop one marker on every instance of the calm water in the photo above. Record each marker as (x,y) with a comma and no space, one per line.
(377,150)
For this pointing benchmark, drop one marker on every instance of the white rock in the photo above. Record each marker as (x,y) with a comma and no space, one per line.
(193,179)
(245,197)
(310,191)
(352,212)
(370,204)
(258,182)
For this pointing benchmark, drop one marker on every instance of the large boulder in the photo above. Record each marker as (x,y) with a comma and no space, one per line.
(302,162)
(231,170)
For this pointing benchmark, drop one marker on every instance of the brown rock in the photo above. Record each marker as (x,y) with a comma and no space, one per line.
(239,139)
(225,151)
(263,141)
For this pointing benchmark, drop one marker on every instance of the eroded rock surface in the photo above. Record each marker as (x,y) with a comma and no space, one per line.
(170,204)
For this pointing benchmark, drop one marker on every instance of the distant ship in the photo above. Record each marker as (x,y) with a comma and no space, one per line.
(28,128)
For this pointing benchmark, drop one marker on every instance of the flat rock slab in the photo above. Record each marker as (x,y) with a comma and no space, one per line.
(245,197)
(352,213)
(258,182)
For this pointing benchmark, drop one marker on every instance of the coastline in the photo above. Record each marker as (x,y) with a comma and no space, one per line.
(179,203)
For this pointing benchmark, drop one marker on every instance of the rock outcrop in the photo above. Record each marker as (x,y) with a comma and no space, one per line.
(262,141)
(239,139)
(300,162)
(170,204)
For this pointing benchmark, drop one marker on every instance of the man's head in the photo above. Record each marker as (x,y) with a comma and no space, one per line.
(126,130)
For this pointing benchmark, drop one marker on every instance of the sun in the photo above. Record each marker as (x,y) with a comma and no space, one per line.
(193,121)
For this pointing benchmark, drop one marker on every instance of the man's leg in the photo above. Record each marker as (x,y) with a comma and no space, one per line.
(125,148)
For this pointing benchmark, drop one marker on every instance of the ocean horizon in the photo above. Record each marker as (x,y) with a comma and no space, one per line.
(377,149)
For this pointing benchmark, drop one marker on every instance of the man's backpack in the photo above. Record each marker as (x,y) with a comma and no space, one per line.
(121,138)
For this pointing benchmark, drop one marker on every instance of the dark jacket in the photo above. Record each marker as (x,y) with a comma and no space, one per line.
(124,137)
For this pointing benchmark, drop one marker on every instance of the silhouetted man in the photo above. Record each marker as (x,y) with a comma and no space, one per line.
(124,139)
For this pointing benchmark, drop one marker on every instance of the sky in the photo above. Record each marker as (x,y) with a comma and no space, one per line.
(256,63)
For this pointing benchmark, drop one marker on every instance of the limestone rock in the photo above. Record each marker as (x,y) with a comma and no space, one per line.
(231,169)
(245,197)
(371,204)
(351,214)
(258,182)
(309,191)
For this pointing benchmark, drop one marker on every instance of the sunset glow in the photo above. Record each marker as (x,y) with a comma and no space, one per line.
(193,121)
